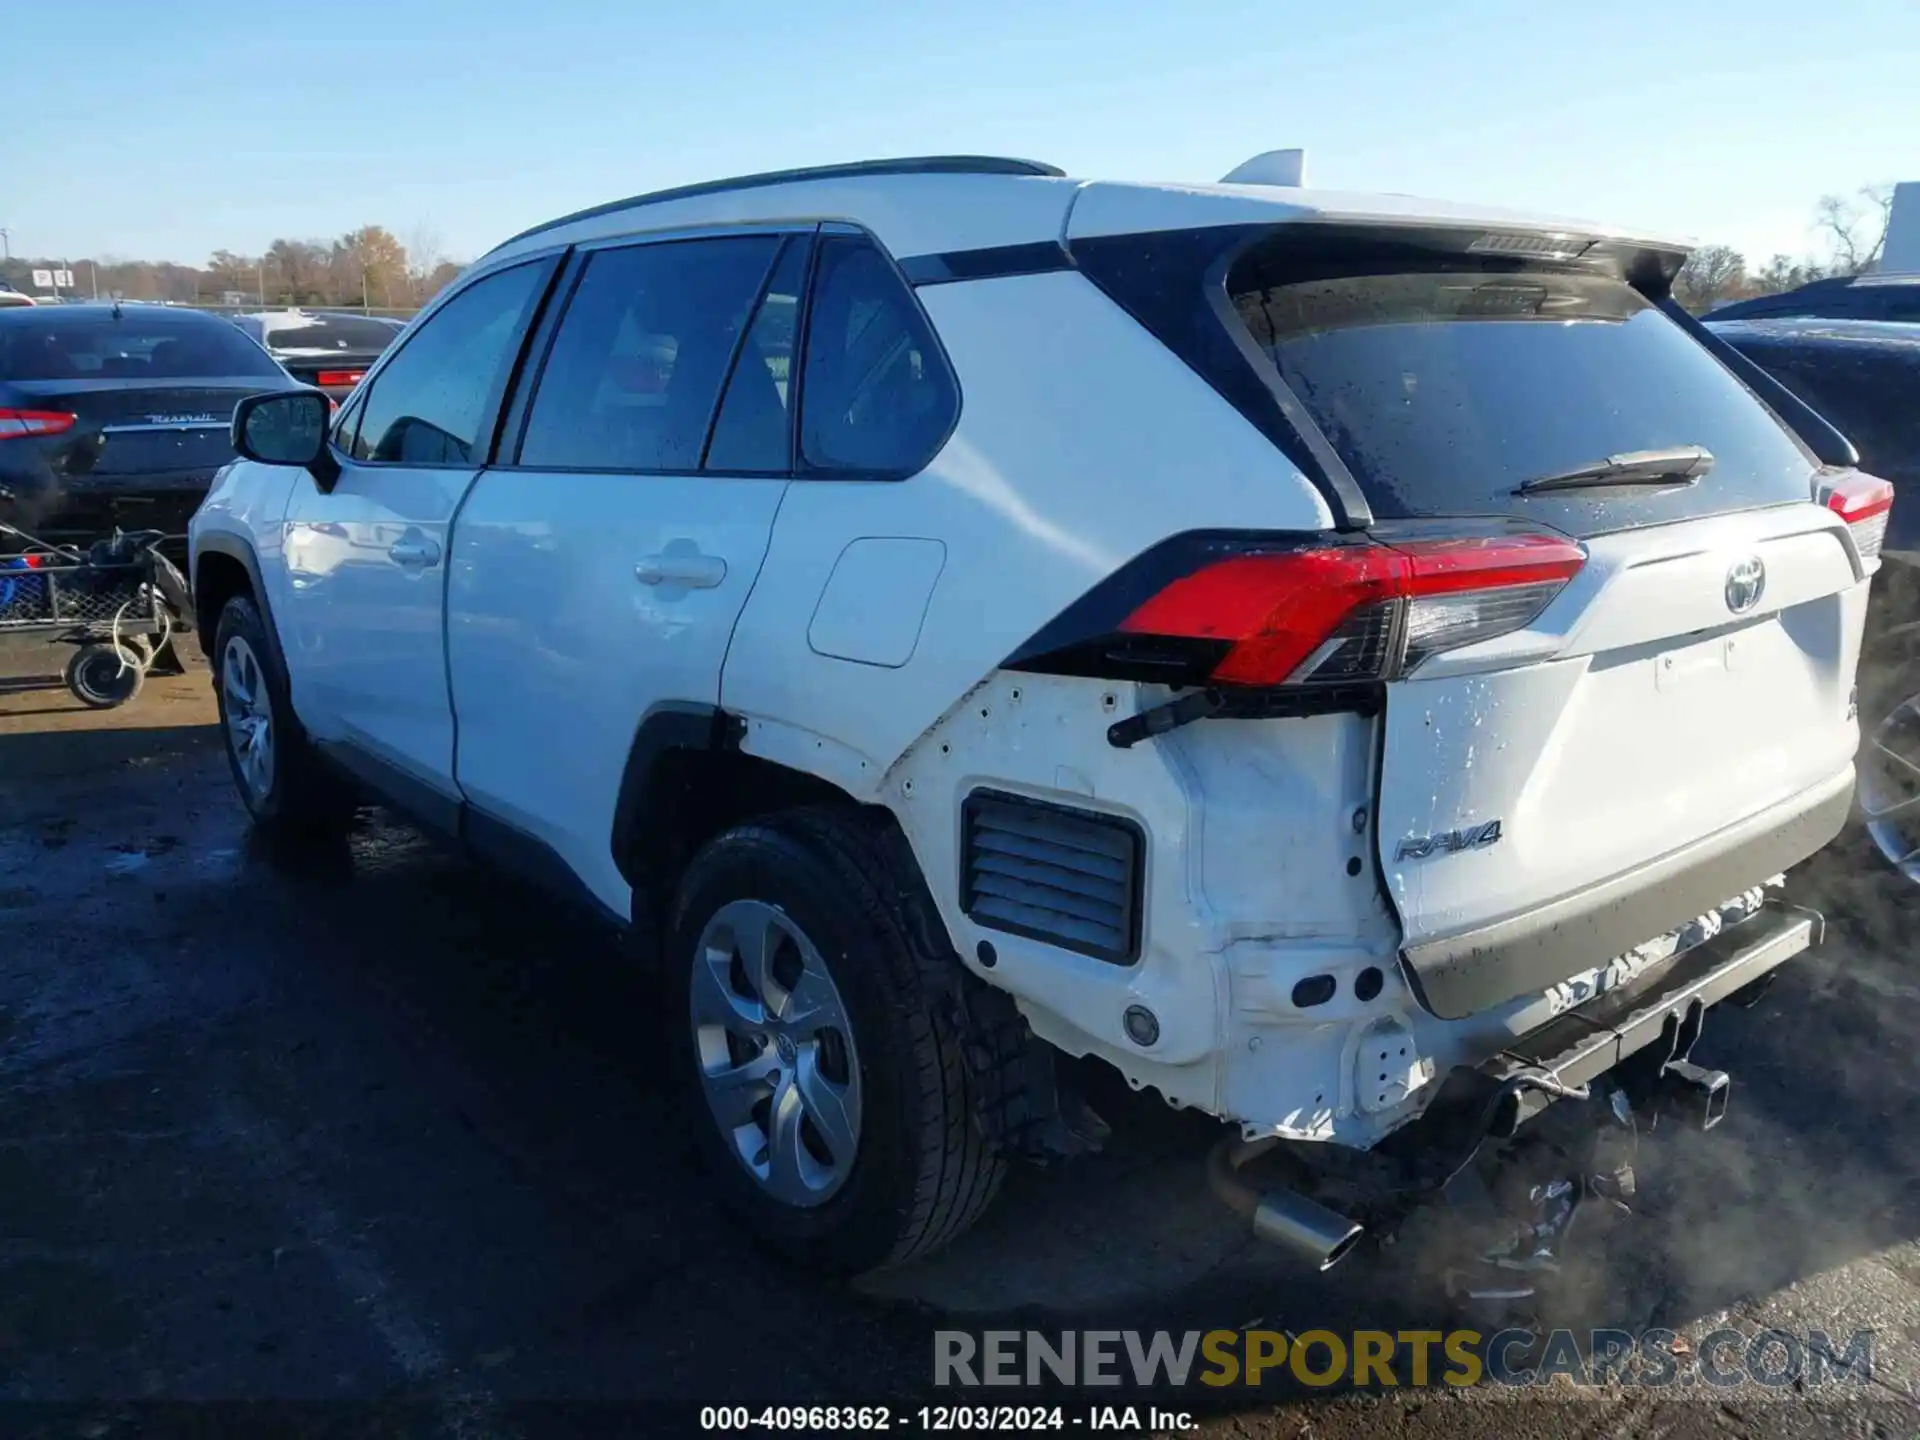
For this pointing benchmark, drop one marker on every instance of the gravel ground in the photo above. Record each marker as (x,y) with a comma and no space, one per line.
(386,1146)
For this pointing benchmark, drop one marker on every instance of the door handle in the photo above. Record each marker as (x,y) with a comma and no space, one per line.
(413,552)
(696,572)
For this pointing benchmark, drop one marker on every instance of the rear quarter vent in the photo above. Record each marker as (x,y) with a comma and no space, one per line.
(1066,876)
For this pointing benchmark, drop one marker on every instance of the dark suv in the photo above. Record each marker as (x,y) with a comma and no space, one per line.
(1845,297)
(1864,377)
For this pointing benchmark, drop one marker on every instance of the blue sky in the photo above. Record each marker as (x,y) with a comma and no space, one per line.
(163,131)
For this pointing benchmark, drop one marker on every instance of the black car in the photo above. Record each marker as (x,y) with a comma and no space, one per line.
(1845,297)
(322,348)
(1863,376)
(116,415)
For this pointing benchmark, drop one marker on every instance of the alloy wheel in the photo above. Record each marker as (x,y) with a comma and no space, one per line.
(249,713)
(774,1047)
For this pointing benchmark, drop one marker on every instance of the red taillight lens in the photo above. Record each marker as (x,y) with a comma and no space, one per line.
(1865,502)
(1357,612)
(339,379)
(17,423)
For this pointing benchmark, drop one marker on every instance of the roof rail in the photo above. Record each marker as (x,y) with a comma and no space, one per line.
(906,165)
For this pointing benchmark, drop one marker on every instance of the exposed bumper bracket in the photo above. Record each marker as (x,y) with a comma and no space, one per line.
(1662,1012)
(1649,1027)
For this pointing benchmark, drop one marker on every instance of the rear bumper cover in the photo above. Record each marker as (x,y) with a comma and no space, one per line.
(1463,974)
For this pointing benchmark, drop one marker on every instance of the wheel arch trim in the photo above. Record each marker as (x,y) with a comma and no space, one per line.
(232,547)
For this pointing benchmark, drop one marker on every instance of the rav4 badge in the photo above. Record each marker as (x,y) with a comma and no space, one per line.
(1471,837)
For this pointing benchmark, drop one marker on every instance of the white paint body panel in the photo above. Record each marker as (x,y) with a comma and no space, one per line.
(1633,718)
(363,630)
(1067,405)
(558,649)
(849,625)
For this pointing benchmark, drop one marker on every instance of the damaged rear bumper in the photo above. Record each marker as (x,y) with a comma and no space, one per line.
(1663,1011)
(1642,1034)
(1462,974)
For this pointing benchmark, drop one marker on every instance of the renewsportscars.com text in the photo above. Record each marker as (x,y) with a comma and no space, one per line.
(1386,1358)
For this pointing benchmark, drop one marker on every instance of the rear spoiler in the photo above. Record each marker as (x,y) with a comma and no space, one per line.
(1817,433)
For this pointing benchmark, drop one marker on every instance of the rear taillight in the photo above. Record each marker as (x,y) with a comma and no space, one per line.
(1864,502)
(17,423)
(1252,614)
(339,379)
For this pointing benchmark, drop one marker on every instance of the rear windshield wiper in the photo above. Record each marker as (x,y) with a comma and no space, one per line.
(1675,465)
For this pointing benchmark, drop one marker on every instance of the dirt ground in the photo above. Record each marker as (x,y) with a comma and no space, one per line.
(384,1146)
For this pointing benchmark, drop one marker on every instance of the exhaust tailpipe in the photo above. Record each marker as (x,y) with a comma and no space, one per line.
(1320,1236)
(1695,1092)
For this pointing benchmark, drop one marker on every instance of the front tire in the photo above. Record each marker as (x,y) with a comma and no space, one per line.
(819,1053)
(287,789)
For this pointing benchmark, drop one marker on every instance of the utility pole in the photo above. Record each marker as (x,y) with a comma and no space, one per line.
(6,242)
(93,268)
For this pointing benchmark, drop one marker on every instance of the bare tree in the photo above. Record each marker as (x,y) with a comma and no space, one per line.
(1854,227)
(1712,273)
(424,254)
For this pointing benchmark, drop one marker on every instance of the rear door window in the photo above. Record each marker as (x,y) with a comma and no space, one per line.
(634,373)
(877,399)
(435,401)
(753,433)
(1445,388)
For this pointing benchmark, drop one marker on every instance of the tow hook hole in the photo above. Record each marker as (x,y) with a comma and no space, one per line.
(1368,984)
(1353,865)
(1314,990)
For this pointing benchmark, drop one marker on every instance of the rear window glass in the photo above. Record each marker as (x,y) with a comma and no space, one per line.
(327,335)
(49,344)
(1444,389)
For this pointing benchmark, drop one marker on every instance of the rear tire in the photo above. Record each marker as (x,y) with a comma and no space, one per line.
(288,790)
(897,1166)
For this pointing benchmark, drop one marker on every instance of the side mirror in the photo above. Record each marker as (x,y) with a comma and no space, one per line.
(288,427)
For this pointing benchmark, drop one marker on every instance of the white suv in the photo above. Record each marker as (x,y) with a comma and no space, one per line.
(1354,665)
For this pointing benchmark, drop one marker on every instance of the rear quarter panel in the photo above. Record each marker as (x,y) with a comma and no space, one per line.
(1081,441)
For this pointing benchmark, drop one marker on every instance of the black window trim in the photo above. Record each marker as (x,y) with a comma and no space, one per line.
(493,411)
(810,239)
(517,412)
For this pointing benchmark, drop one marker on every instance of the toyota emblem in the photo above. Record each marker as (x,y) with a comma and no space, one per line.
(1746,583)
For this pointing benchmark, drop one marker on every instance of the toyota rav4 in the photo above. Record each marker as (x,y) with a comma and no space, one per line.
(1356,666)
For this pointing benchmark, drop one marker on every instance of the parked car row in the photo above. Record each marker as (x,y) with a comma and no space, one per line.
(325,349)
(120,414)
